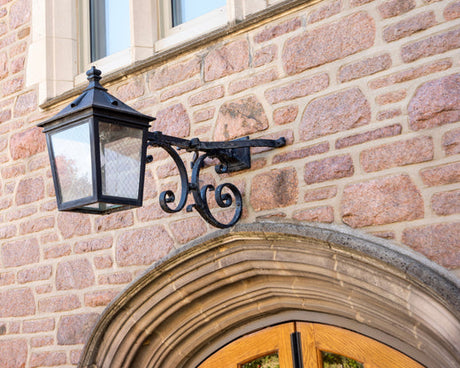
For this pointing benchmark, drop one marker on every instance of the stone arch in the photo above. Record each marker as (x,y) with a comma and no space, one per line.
(237,281)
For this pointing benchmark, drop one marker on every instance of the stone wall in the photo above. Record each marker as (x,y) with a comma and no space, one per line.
(367,94)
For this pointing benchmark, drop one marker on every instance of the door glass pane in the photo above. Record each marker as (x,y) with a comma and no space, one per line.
(110,27)
(72,157)
(185,10)
(331,360)
(267,361)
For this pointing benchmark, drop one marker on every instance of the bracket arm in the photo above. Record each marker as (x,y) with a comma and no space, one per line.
(233,156)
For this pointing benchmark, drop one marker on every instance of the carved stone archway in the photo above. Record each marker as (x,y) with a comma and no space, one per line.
(237,281)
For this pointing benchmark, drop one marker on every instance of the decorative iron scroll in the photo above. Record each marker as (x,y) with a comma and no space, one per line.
(232,155)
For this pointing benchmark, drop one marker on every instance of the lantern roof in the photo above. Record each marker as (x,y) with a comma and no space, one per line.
(96,97)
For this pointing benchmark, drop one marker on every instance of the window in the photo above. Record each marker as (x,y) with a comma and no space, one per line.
(104,36)
(109,27)
(106,27)
(183,20)
(186,10)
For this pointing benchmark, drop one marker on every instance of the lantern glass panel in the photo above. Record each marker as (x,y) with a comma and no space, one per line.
(121,154)
(72,157)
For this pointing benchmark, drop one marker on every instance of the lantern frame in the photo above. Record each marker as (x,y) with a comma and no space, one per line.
(96,106)
(93,107)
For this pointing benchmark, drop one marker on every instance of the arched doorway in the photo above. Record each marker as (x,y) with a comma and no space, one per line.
(234,282)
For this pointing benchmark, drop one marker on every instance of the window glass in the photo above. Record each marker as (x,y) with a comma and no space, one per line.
(72,156)
(121,150)
(267,361)
(185,10)
(331,360)
(110,27)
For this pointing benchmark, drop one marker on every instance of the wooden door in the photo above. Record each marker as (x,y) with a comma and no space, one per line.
(321,346)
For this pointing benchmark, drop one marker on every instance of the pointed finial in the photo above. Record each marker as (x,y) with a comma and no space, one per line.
(94,74)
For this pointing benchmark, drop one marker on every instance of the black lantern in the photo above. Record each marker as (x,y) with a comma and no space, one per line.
(97,148)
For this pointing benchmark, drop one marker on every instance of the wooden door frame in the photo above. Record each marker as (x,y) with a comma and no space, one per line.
(236,281)
(274,339)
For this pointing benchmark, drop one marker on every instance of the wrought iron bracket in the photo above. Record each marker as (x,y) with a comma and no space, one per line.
(232,155)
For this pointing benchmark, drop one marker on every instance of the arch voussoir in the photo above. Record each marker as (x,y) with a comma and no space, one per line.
(235,282)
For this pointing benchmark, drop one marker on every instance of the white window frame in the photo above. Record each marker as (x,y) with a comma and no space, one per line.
(51,61)
(143,36)
(59,52)
(171,36)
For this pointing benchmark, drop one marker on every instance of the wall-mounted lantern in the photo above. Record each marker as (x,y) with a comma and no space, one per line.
(97,147)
